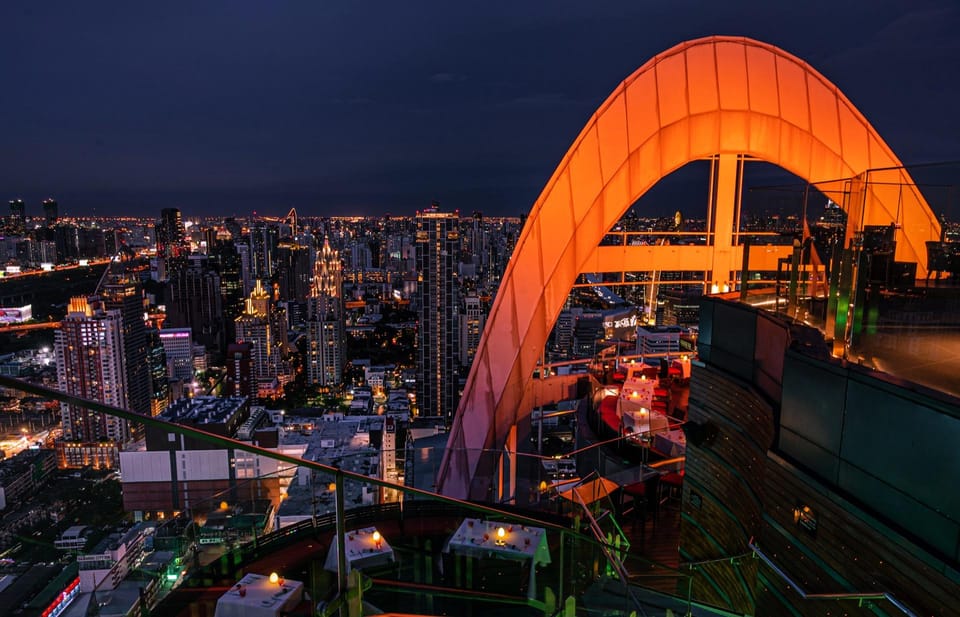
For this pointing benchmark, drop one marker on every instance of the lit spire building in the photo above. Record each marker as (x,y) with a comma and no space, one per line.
(438,244)
(325,333)
(264,326)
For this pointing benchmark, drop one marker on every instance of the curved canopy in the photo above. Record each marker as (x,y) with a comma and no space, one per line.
(707,97)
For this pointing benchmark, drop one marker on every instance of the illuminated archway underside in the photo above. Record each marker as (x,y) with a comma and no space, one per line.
(707,97)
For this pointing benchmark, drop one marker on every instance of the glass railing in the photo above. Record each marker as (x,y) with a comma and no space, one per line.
(558,548)
(859,273)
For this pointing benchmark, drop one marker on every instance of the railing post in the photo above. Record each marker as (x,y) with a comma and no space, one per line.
(340,539)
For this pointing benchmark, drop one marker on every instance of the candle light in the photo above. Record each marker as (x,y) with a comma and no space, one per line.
(274,578)
(501,532)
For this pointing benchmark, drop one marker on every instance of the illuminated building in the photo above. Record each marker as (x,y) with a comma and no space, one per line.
(124,295)
(157,366)
(18,217)
(178,346)
(263,241)
(171,240)
(438,246)
(325,331)
(472,318)
(51,212)
(89,349)
(265,327)
(170,233)
(226,258)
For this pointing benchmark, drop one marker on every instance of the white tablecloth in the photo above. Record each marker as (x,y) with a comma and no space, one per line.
(255,596)
(361,551)
(479,538)
(672,443)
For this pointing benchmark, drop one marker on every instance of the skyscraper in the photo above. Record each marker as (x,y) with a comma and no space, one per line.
(89,349)
(18,216)
(170,238)
(325,333)
(264,325)
(438,244)
(51,212)
(195,302)
(293,270)
(170,233)
(157,365)
(472,318)
(120,293)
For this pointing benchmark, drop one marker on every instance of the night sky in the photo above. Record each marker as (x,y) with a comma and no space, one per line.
(342,107)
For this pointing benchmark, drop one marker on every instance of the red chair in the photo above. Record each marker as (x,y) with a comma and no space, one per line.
(640,500)
(671,484)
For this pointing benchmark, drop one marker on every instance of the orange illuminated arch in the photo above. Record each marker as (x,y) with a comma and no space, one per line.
(708,97)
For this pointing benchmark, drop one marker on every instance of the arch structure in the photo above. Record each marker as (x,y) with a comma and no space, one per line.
(717,97)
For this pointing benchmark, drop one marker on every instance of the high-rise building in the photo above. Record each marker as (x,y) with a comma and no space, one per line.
(225,258)
(170,233)
(178,347)
(195,302)
(51,212)
(239,379)
(157,366)
(122,294)
(293,268)
(18,217)
(472,318)
(89,349)
(325,332)
(264,326)
(263,245)
(438,244)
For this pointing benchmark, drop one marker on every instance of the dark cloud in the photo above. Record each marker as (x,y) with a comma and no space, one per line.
(235,105)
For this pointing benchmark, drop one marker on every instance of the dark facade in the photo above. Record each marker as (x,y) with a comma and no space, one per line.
(240,380)
(170,233)
(127,297)
(51,212)
(195,302)
(836,474)
(438,247)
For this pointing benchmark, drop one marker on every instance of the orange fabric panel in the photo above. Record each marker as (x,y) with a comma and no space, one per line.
(612,133)
(853,136)
(732,76)
(585,179)
(643,119)
(792,90)
(672,89)
(762,78)
(823,115)
(702,79)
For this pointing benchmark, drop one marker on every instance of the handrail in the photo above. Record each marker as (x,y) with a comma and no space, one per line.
(235,444)
(618,566)
(859,596)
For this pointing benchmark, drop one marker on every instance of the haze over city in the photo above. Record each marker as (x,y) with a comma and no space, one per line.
(226,108)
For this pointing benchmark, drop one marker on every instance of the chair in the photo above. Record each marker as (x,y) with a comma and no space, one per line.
(671,487)
(639,500)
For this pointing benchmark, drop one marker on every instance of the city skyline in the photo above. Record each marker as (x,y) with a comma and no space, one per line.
(365,110)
